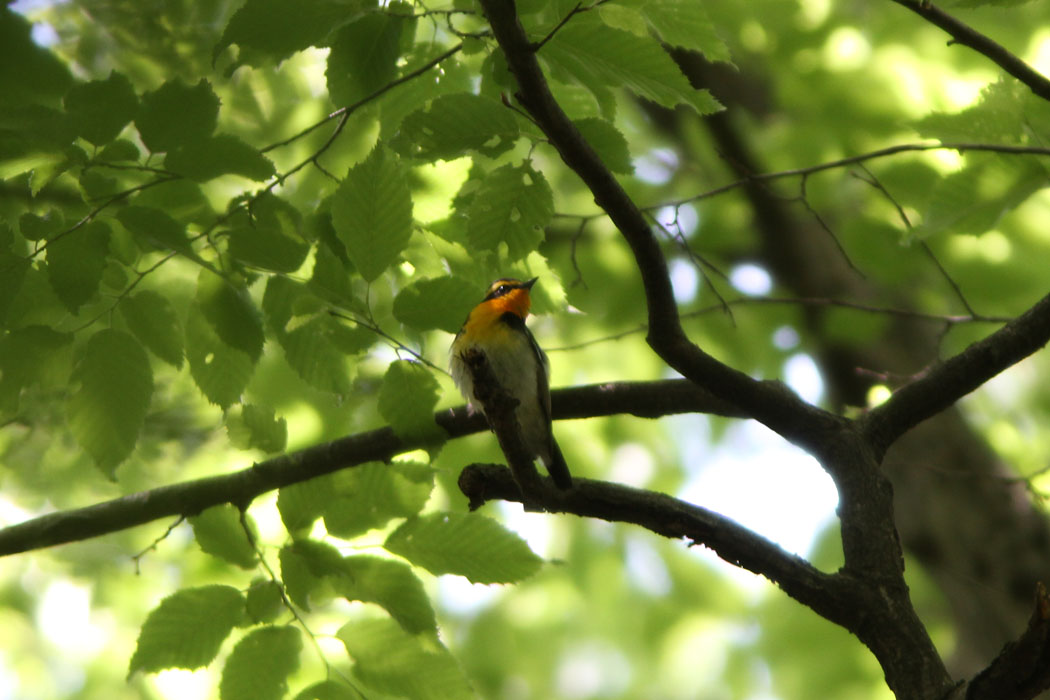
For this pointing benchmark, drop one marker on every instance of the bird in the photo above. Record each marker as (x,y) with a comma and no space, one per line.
(496,327)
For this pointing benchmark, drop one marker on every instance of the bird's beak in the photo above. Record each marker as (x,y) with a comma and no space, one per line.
(528,285)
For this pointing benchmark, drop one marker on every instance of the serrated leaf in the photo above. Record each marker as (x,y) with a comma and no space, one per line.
(467,544)
(114,384)
(303,503)
(364,56)
(187,629)
(683,23)
(277,28)
(272,241)
(101,108)
(25,358)
(222,372)
(75,263)
(259,666)
(119,151)
(34,227)
(219,532)
(512,206)
(404,665)
(329,690)
(231,313)
(175,114)
(407,400)
(372,213)
(257,427)
(370,495)
(159,230)
(264,601)
(442,303)
(390,584)
(452,125)
(207,158)
(306,569)
(152,318)
(594,55)
(973,200)
(608,143)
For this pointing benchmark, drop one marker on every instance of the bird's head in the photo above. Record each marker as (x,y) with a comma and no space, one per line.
(508,294)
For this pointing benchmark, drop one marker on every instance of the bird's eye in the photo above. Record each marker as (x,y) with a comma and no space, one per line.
(503,289)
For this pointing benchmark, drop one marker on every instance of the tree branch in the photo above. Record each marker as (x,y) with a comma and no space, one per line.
(644,399)
(968,36)
(769,402)
(947,383)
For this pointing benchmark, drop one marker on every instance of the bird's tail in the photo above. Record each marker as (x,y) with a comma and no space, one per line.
(557,468)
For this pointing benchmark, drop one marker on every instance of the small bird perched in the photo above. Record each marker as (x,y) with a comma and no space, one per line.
(497,328)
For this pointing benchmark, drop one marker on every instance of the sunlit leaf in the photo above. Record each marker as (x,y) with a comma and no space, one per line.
(441,303)
(372,212)
(277,29)
(511,206)
(264,601)
(407,399)
(685,24)
(231,313)
(468,544)
(187,628)
(608,142)
(364,56)
(114,383)
(255,426)
(329,690)
(259,666)
(390,584)
(219,532)
(25,357)
(152,318)
(391,660)
(452,125)
(370,495)
(221,371)
(206,158)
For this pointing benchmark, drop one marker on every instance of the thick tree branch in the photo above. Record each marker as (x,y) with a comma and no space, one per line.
(769,402)
(966,35)
(945,384)
(1022,669)
(672,518)
(644,399)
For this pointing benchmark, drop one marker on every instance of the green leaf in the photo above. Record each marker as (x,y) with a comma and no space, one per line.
(370,495)
(187,628)
(264,601)
(26,356)
(13,270)
(511,206)
(452,125)
(208,158)
(273,239)
(608,142)
(114,383)
(257,427)
(101,108)
(390,584)
(119,151)
(259,666)
(593,54)
(683,23)
(329,690)
(222,372)
(158,229)
(391,660)
(36,228)
(219,532)
(175,114)
(407,400)
(975,198)
(300,505)
(75,263)
(231,313)
(152,318)
(372,213)
(277,28)
(467,544)
(364,56)
(306,569)
(441,303)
